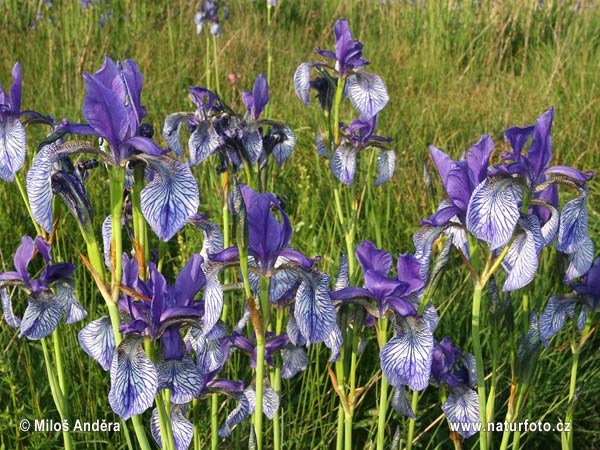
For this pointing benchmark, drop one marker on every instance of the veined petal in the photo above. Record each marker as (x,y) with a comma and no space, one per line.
(580,260)
(286,142)
(314,312)
(171,198)
(183,429)
(171,128)
(293,332)
(203,142)
(98,341)
(521,260)
(550,228)
(106,239)
(343,163)
(12,148)
(133,379)
(343,276)
(213,239)
(493,211)
(302,82)
(282,282)
(334,342)
(367,93)
(462,407)
(65,293)
(213,301)
(320,142)
(431,317)
(406,358)
(294,361)
(386,163)
(235,417)
(41,316)
(423,240)
(401,403)
(253,144)
(573,224)
(182,377)
(9,316)
(270,401)
(553,317)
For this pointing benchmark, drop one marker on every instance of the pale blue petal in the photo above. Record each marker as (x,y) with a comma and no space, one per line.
(182,377)
(253,143)
(171,198)
(213,238)
(401,403)
(282,281)
(580,260)
(235,417)
(320,141)
(431,317)
(41,316)
(282,150)
(406,358)
(458,237)
(98,341)
(213,301)
(183,429)
(133,379)
(386,163)
(9,316)
(550,228)
(343,276)
(493,211)
(107,239)
(367,93)
(553,317)
(423,241)
(573,224)
(343,163)
(270,400)
(582,319)
(171,128)
(204,141)
(65,293)
(302,82)
(12,148)
(293,331)
(294,361)
(314,312)
(461,408)
(334,342)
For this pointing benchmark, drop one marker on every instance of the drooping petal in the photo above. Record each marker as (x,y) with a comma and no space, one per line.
(183,429)
(553,317)
(12,148)
(521,260)
(314,312)
(334,341)
(133,379)
(171,128)
(235,417)
(406,358)
(41,316)
(401,403)
(367,93)
(550,228)
(65,293)
(386,163)
(213,301)
(282,282)
(343,163)
(302,82)
(203,142)
(253,144)
(462,408)
(213,238)
(285,143)
(573,224)
(431,317)
(182,377)
(294,361)
(580,260)
(9,315)
(98,341)
(320,142)
(270,401)
(494,210)
(171,198)
(106,239)
(423,240)
(343,276)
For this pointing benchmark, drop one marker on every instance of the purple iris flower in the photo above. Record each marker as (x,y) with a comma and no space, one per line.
(113,111)
(208,13)
(159,315)
(49,295)
(355,138)
(456,370)
(365,90)
(215,128)
(406,358)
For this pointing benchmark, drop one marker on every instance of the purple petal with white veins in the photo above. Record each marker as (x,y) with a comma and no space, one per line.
(550,228)
(553,317)
(521,260)
(171,129)
(462,409)
(283,149)
(98,341)
(235,417)
(367,93)
(314,312)
(319,140)
(343,163)
(183,429)
(133,379)
(182,377)
(401,403)
(253,144)
(406,358)
(494,210)
(282,282)
(386,163)
(41,316)
(12,148)
(580,260)
(573,224)
(294,361)
(65,293)
(213,238)
(343,276)
(293,332)
(302,82)
(106,239)
(9,315)
(270,401)
(213,301)
(423,240)
(171,198)
(431,317)
(203,142)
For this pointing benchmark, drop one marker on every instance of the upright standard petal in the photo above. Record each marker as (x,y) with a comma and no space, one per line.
(12,147)
(98,341)
(494,210)
(367,93)
(171,198)
(406,358)
(133,379)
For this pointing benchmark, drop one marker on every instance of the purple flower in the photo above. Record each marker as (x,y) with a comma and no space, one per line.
(12,132)
(49,295)
(208,13)
(256,100)
(348,52)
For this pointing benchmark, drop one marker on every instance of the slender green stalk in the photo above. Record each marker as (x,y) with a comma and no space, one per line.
(351,399)
(166,432)
(197,413)
(216,62)
(476,337)
(207,61)
(414,403)
(269,54)
(214,423)
(348,234)
(276,384)
(260,363)
(140,230)
(383,400)
(491,403)
(336,111)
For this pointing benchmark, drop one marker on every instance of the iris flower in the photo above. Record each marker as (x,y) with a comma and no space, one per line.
(113,111)
(208,13)
(365,90)
(49,295)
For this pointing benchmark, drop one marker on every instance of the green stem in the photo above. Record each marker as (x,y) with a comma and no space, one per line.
(339,440)
(348,231)
(214,422)
(216,61)
(197,413)
(351,400)
(276,384)
(383,403)
(207,54)
(141,247)
(260,360)
(336,111)
(476,337)
(411,422)
(492,394)
(166,432)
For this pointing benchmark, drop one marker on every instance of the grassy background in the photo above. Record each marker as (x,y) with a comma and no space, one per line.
(454,71)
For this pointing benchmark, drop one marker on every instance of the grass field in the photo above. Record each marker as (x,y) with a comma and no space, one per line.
(454,71)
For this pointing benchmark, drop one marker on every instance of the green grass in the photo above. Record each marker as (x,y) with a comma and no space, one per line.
(454,71)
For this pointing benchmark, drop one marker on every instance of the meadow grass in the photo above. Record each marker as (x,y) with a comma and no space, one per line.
(454,71)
